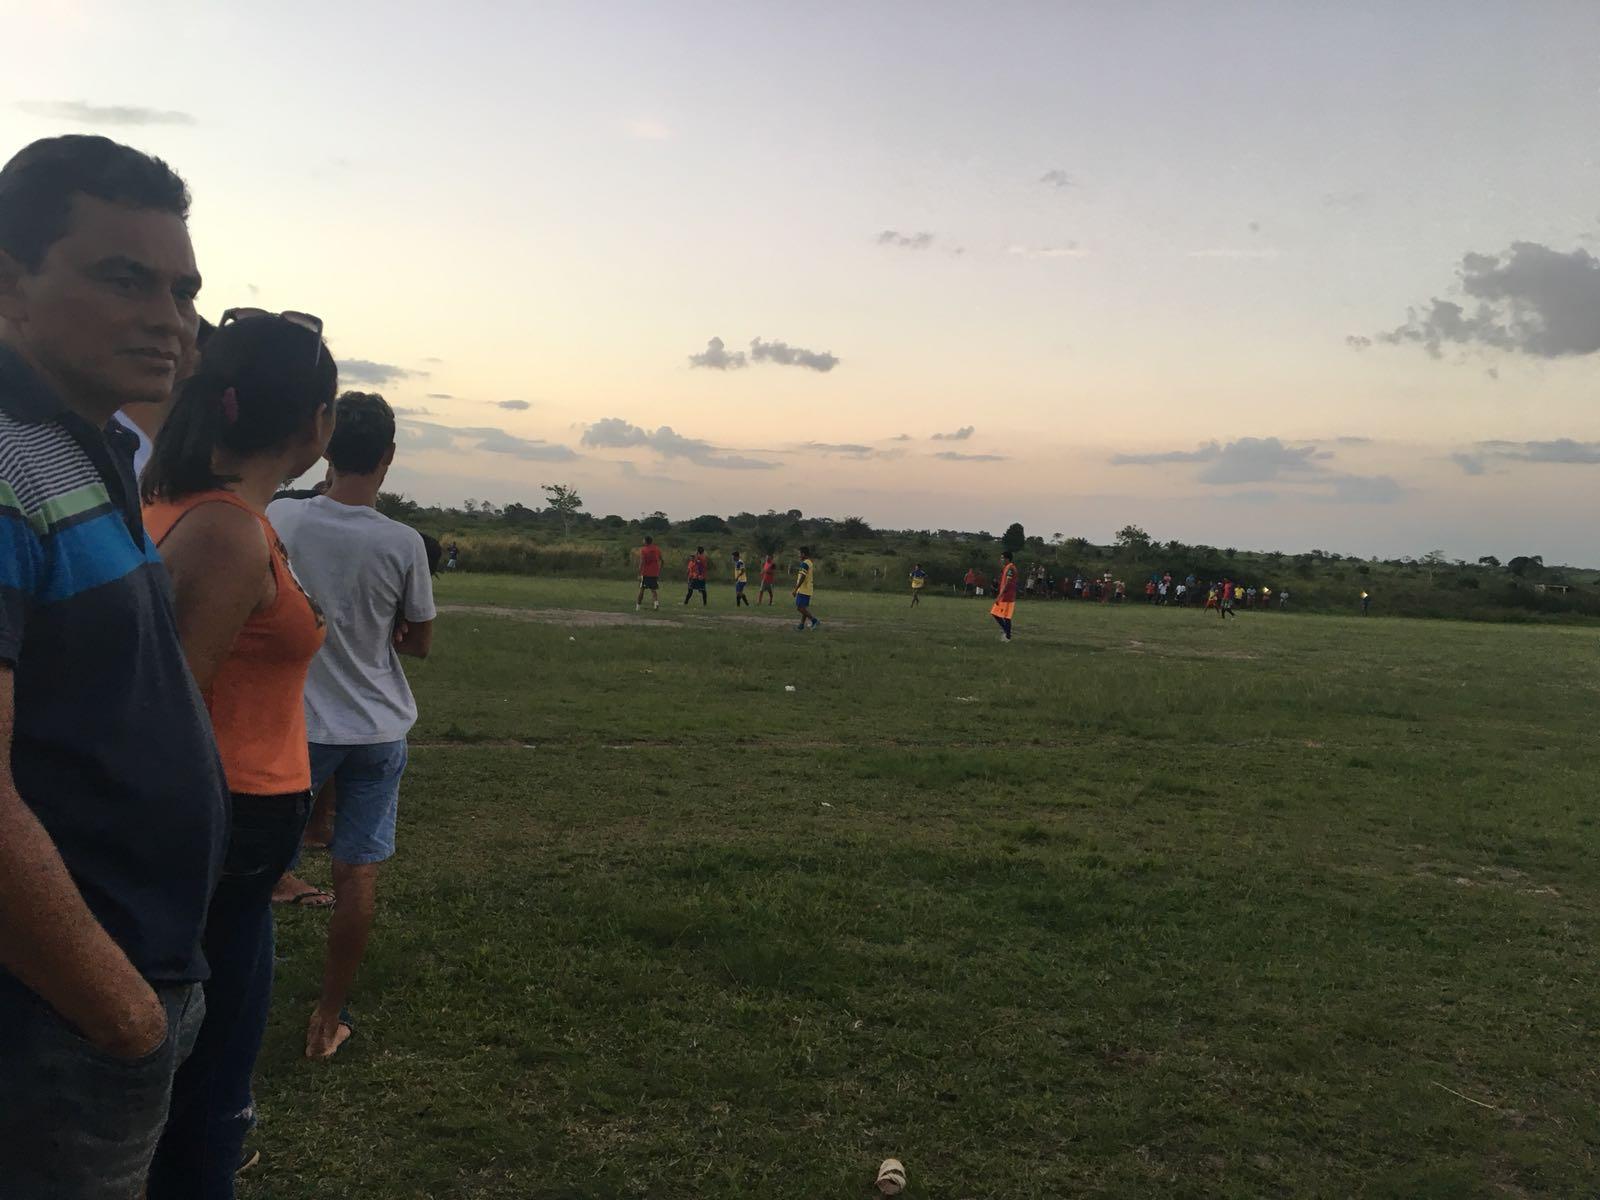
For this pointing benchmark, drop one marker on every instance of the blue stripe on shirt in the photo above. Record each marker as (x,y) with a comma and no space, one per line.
(90,555)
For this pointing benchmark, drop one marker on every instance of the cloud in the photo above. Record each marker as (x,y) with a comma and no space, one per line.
(440,396)
(1058,179)
(1247,460)
(854,449)
(648,129)
(1255,226)
(957,456)
(1530,299)
(906,241)
(1363,489)
(361,370)
(410,412)
(513,405)
(613,433)
(425,435)
(1357,341)
(901,437)
(102,114)
(786,355)
(1344,200)
(1559,451)
(716,357)
(1209,452)
(961,435)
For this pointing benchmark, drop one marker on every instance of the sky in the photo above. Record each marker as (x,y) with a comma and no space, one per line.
(1276,276)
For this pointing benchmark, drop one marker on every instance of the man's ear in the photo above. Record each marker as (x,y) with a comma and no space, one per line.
(13,306)
(388,457)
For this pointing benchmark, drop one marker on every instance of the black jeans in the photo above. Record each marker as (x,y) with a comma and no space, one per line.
(212,1108)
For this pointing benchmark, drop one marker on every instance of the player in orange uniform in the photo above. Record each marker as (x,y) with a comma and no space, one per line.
(1005,601)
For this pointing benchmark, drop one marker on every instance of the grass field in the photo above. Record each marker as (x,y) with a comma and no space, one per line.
(1139,905)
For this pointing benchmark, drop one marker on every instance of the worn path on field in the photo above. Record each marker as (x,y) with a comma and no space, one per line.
(592,619)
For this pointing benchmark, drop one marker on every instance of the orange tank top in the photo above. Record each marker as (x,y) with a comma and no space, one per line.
(257,698)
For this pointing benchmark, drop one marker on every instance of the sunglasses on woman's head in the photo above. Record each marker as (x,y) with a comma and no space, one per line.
(304,320)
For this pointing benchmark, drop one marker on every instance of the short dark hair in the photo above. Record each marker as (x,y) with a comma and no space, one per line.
(805,551)
(648,540)
(699,549)
(363,433)
(38,184)
(1007,555)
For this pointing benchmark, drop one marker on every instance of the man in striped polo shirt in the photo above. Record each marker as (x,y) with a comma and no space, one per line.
(112,800)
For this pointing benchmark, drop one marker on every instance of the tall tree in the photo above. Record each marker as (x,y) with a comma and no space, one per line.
(563,500)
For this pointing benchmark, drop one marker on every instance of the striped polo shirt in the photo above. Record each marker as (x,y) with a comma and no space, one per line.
(111,746)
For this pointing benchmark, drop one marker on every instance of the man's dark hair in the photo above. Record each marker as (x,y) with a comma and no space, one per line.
(435,552)
(648,540)
(699,549)
(1006,554)
(363,433)
(805,551)
(38,184)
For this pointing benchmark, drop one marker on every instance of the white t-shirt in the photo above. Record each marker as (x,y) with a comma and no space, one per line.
(367,572)
(142,454)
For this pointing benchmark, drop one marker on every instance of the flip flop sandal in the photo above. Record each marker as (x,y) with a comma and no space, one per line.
(346,1021)
(309,899)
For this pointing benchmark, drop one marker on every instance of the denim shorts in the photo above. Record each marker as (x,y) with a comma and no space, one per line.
(76,1122)
(367,782)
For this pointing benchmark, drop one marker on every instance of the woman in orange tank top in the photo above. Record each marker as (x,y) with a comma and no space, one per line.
(258,411)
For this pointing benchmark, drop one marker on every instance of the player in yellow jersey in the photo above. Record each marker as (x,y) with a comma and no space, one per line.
(804,583)
(919,578)
(740,578)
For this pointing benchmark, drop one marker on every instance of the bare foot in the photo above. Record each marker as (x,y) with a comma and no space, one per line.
(324,1039)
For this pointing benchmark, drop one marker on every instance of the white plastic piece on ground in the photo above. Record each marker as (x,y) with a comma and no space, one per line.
(788,687)
(891,1177)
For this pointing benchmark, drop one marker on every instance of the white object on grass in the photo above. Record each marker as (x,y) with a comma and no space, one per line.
(788,687)
(891,1177)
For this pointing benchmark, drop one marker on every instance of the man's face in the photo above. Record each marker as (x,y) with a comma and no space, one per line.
(109,316)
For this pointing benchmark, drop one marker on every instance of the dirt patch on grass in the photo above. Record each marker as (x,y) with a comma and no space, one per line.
(578,617)
(586,618)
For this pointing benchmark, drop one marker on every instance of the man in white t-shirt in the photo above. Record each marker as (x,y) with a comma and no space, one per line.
(370,575)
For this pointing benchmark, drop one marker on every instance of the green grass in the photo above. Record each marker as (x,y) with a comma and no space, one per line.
(1140,905)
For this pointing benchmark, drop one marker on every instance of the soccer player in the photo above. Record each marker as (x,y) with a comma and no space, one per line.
(803,586)
(769,572)
(697,576)
(1227,600)
(919,578)
(649,573)
(1005,600)
(1366,601)
(739,581)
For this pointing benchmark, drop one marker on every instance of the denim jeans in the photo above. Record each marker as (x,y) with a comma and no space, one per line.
(212,1107)
(75,1122)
